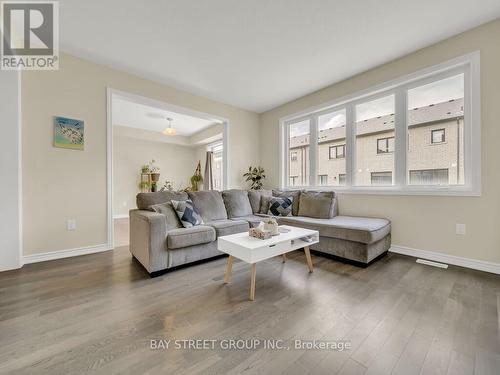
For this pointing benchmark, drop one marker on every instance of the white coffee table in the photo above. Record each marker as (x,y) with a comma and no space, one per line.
(253,250)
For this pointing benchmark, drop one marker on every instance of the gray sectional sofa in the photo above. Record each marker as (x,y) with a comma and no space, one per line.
(160,242)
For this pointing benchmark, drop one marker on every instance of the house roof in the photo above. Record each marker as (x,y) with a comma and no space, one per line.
(417,117)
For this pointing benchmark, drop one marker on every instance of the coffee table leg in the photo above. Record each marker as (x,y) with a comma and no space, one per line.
(229,268)
(284,258)
(252,282)
(308,258)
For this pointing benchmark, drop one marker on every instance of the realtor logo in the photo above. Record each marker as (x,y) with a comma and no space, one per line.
(30,35)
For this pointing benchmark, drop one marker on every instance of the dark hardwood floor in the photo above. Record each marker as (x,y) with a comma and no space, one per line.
(97,314)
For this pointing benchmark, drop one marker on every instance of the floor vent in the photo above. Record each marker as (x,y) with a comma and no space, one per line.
(434,264)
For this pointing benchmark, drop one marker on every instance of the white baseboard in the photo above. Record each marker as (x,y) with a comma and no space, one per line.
(480,265)
(42,257)
(122,216)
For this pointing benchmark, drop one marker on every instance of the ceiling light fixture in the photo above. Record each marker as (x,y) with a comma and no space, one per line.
(170,130)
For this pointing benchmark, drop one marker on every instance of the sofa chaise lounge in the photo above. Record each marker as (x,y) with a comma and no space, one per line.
(160,242)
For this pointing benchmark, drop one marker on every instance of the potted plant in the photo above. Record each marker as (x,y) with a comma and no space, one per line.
(145,169)
(256,175)
(154,170)
(196,178)
(144,186)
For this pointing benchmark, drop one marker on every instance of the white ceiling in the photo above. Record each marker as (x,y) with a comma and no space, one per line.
(259,54)
(140,116)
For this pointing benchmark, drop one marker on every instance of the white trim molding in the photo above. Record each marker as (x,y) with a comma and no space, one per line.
(121,216)
(114,93)
(109,167)
(468,65)
(60,254)
(10,171)
(480,265)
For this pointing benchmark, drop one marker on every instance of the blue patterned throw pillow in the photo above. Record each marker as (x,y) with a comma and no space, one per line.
(280,206)
(187,213)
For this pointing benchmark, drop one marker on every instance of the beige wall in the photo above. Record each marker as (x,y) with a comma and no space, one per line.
(208,135)
(63,184)
(423,222)
(176,163)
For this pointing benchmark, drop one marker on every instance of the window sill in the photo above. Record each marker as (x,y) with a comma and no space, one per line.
(430,191)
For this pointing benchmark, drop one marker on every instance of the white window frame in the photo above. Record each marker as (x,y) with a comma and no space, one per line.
(468,64)
(211,147)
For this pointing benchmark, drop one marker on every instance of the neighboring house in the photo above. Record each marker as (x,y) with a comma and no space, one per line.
(435,150)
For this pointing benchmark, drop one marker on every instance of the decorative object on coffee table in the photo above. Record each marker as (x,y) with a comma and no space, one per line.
(272,226)
(256,175)
(259,233)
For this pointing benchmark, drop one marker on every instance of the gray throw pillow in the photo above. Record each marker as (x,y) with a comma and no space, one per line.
(146,200)
(187,213)
(237,203)
(209,204)
(264,204)
(318,204)
(255,197)
(168,210)
(280,206)
(294,194)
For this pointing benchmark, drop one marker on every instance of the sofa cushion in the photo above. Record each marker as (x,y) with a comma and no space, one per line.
(187,213)
(253,220)
(237,203)
(146,200)
(255,198)
(320,205)
(226,227)
(359,229)
(184,237)
(168,210)
(264,204)
(295,194)
(209,204)
(280,206)
(356,251)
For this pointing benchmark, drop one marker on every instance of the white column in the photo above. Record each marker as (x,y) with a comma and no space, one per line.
(313,151)
(401,138)
(10,171)
(350,152)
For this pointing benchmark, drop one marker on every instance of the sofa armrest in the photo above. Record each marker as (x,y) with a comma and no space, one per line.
(148,234)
